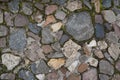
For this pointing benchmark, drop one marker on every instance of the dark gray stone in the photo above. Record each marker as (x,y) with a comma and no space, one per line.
(56,46)
(99,31)
(87,3)
(21,20)
(79,26)
(47,37)
(39,67)
(17,40)
(107,3)
(103,77)
(108,57)
(14,6)
(64,38)
(26,75)
(59,2)
(4,0)
(34,28)
(56,55)
(105,67)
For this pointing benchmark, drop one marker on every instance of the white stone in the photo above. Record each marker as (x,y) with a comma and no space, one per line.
(40,76)
(92,62)
(74,5)
(92,44)
(114,51)
(10,61)
(73,66)
(102,45)
(30,40)
(109,16)
(55,27)
(70,48)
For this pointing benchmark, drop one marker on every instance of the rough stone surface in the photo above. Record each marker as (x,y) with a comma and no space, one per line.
(52,76)
(60,15)
(34,52)
(99,53)
(90,74)
(59,2)
(21,20)
(72,67)
(49,19)
(64,38)
(14,6)
(50,9)
(3,42)
(17,40)
(40,76)
(70,48)
(98,19)
(26,75)
(83,28)
(114,51)
(74,77)
(116,77)
(102,45)
(109,16)
(47,49)
(39,67)
(106,68)
(3,30)
(27,8)
(107,3)
(55,27)
(92,62)
(7,76)
(117,66)
(56,63)
(99,31)
(34,28)
(113,38)
(10,61)
(103,77)
(1,16)
(74,5)
(47,37)
(83,67)
(9,18)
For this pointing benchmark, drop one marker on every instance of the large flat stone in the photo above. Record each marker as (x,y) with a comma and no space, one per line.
(79,26)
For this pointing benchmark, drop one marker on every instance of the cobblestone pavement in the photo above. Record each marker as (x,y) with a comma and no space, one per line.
(59,39)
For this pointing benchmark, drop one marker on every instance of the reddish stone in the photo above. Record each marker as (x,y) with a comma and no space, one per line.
(50,9)
(49,19)
(74,77)
(47,49)
(83,67)
(52,76)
